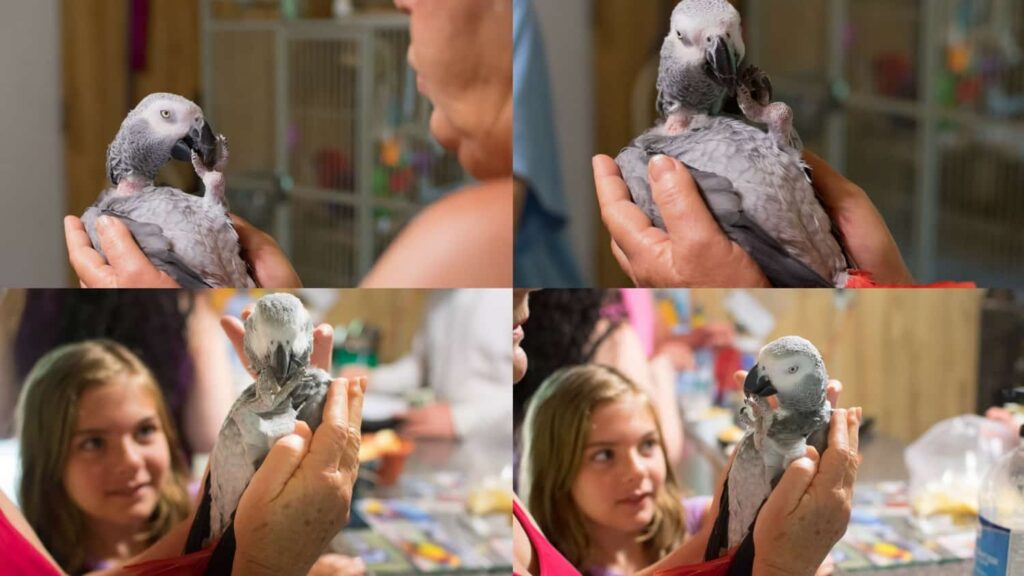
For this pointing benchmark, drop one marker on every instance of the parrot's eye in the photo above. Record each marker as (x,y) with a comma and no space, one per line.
(793,369)
(165,113)
(686,41)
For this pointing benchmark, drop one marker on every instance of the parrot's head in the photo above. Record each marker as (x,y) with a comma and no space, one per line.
(707,33)
(278,337)
(161,127)
(792,368)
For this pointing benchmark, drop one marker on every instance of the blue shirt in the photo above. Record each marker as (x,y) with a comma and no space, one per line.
(542,253)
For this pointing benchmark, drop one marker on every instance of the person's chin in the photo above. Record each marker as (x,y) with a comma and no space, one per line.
(444,131)
(519,364)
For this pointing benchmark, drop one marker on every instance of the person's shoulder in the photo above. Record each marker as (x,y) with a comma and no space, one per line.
(464,239)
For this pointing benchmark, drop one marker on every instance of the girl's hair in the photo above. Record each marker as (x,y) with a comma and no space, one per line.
(554,436)
(153,324)
(47,414)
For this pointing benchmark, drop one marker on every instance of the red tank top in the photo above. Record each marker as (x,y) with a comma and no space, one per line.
(18,557)
(549,560)
(552,563)
(717,567)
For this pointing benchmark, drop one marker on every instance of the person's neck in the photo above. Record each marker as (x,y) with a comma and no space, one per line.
(615,550)
(107,542)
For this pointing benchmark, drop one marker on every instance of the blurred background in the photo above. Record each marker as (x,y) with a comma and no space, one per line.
(939,374)
(330,148)
(919,102)
(434,488)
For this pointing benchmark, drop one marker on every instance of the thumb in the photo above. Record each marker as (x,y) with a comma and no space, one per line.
(678,198)
(281,462)
(794,483)
(118,244)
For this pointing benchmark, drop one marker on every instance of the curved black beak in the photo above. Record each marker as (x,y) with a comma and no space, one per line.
(202,140)
(281,363)
(721,61)
(758,384)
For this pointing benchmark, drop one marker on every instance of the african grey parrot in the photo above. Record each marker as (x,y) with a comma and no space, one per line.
(786,410)
(278,343)
(189,237)
(754,182)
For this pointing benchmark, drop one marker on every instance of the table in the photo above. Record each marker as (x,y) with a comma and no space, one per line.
(425,512)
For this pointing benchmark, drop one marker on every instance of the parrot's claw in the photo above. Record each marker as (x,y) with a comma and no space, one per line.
(223,153)
(198,166)
(757,84)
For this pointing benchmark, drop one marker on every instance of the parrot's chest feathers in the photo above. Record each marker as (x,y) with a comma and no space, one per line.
(261,429)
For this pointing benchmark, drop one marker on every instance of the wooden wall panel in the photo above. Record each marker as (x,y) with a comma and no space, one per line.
(99,88)
(909,357)
(398,313)
(95,92)
(625,33)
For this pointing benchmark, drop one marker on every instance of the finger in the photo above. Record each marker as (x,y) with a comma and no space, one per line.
(356,394)
(832,392)
(831,186)
(302,429)
(794,483)
(626,222)
(281,463)
(853,429)
(122,252)
(235,331)
(681,205)
(837,456)
(323,346)
(247,311)
(739,377)
(90,266)
(334,438)
(624,263)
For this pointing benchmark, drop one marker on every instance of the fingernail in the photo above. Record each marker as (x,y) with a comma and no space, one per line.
(661,166)
(103,221)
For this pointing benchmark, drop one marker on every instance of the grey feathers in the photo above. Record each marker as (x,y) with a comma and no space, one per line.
(758,193)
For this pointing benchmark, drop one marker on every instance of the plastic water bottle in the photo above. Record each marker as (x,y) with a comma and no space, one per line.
(1000,546)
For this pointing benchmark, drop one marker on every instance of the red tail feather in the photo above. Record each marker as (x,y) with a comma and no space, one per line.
(862,279)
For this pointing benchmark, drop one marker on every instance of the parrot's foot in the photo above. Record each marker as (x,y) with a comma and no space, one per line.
(754,95)
(757,83)
(777,116)
(222,153)
(677,123)
(213,180)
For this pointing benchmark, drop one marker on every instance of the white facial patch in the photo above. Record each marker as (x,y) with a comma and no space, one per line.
(179,120)
(696,20)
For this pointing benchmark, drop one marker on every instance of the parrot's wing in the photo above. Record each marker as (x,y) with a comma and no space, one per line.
(153,243)
(722,198)
(223,558)
(308,398)
(200,530)
(747,489)
(632,163)
(223,555)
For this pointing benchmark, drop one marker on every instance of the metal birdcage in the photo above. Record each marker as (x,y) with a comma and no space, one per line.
(331,151)
(921,102)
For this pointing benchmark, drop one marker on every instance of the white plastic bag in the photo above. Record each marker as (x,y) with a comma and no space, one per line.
(948,463)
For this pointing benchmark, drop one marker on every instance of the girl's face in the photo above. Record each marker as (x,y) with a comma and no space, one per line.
(119,455)
(623,467)
(462,53)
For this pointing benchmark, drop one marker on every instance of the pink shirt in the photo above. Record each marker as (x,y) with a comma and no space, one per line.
(549,560)
(18,556)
